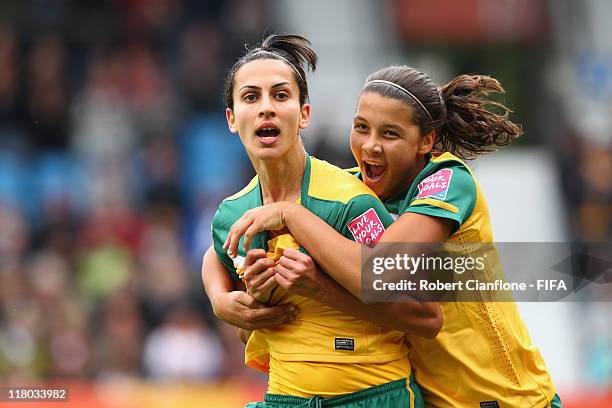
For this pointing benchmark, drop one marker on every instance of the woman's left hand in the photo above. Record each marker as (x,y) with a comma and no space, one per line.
(270,217)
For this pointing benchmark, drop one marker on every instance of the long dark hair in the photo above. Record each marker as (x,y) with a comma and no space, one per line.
(294,50)
(467,123)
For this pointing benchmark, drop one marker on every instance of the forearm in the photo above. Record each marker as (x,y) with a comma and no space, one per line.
(216,280)
(217,283)
(412,317)
(337,255)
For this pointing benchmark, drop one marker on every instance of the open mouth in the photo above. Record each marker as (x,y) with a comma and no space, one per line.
(267,133)
(374,171)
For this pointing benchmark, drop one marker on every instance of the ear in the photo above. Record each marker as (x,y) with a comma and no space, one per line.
(426,142)
(231,120)
(304,116)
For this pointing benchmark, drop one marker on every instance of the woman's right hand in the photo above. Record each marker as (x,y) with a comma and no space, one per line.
(240,309)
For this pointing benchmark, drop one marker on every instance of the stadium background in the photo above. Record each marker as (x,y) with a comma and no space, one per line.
(114,154)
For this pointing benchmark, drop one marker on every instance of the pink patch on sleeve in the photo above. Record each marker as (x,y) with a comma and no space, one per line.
(436,185)
(367,228)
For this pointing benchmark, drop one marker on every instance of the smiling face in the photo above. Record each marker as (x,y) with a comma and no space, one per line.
(386,144)
(267,113)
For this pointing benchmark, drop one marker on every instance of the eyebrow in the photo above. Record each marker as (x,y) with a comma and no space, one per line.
(390,126)
(259,88)
(385,125)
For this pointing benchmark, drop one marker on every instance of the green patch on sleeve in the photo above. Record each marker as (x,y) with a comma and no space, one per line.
(456,202)
(220,229)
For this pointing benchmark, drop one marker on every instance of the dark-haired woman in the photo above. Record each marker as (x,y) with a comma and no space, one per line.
(409,138)
(322,353)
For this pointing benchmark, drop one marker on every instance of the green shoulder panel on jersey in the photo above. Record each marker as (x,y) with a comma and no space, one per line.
(229,211)
(220,228)
(449,193)
(237,204)
(249,187)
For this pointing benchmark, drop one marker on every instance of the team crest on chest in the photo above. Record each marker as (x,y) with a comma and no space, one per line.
(436,185)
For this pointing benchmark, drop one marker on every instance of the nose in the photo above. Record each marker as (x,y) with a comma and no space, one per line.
(372,145)
(266,108)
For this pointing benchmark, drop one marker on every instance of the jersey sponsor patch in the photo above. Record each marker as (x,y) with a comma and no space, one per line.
(344,344)
(436,186)
(367,228)
(489,404)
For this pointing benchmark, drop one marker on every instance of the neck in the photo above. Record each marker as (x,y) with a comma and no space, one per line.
(422,162)
(420,165)
(281,179)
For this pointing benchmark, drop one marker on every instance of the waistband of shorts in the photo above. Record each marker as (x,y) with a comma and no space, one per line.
(319,402)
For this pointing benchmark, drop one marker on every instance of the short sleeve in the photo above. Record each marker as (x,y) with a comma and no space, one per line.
(450,193)
(220,229)
(364,220)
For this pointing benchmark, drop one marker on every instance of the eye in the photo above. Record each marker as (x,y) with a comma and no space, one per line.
(390,134)
(250,97)
(360,127)
(281,96)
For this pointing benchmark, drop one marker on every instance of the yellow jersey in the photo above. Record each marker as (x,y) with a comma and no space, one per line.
(324,351)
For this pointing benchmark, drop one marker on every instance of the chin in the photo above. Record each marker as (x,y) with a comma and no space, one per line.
(270,153)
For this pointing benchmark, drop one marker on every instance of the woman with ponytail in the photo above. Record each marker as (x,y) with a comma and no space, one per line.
(319,352)
(410,138)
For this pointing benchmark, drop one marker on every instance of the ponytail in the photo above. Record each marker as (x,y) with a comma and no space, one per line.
(474,124)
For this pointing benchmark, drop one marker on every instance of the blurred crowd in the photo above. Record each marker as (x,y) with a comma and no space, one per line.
(114,153)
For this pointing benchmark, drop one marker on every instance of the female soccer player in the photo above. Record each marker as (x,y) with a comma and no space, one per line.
(323,353)
(409,137)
